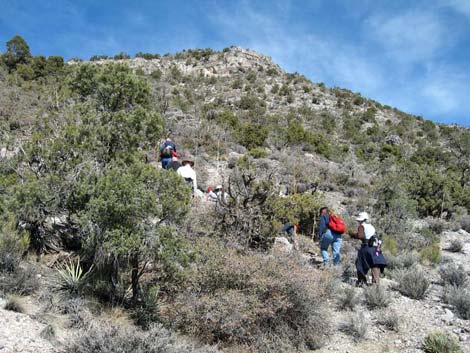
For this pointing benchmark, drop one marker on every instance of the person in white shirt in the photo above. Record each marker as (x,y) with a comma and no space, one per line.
(188,173)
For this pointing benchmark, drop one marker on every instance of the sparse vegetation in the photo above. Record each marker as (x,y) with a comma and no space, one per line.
(355,326)
(440,342)
(79,146)
(377,297)
(413,283)
(391,320)
(459,298)
(14,304)
(348,298)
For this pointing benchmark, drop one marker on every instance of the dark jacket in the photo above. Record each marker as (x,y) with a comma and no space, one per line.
(324,220)
(174,165)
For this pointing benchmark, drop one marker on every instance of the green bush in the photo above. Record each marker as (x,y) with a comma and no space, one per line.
(258,153)
(440,342)
(431,254)
(252,135)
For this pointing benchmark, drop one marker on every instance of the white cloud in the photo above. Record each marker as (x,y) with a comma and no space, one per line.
(460,6)
(322,59)
(413,36)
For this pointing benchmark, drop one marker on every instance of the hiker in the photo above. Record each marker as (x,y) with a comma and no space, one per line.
(188,173)
(369,256)
(329,237)
(175,164)
(167,151)
(211,195)
(221,194)
(291,230)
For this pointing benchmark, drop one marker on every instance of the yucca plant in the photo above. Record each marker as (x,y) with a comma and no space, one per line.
(70,277)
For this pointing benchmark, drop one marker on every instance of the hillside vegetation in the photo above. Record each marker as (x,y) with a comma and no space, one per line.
(89,222)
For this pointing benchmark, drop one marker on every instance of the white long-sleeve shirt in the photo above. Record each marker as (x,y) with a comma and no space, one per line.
(188,173)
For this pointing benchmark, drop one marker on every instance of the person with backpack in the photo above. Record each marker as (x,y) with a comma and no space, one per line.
(189,174)
(369,256)
(167,152)
(330,233)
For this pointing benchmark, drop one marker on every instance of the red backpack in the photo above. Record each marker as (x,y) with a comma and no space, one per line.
(336,224)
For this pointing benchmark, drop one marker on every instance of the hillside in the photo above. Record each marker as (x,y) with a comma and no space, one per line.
(98,240)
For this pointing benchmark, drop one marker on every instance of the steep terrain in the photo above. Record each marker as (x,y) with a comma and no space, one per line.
(81,183)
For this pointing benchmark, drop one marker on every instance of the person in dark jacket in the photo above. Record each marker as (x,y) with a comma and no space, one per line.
(291,229)
(369,256)
(174,164)
(167,152)
(329,237)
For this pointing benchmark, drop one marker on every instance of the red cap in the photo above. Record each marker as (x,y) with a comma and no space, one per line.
(209,189)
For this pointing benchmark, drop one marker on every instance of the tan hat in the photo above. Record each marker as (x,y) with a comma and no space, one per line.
(188,161)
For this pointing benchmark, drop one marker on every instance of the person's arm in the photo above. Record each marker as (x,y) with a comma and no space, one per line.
(194,181)
(359,234)
(324,219)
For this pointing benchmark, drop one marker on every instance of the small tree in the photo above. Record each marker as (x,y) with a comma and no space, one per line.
(129,220)
(17,52)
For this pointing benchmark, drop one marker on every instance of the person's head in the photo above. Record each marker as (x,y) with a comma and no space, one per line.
(362,217)
(209,189)
(323,210)
(188,162)
(218,188)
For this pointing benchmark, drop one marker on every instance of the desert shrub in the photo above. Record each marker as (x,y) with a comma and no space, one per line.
(355,326)
(431,254)
(403,261)
(348,298)
(440,342)
(14,304)
(377,297)
(12,246)
(436,225)
(77,310)
(455,246)
(465,223)
(48,332)
(459,298)
(413,283)
(23,281)
(236,298)
(453,275)
(103,337)
(391,320)
(252,135)
(258,153)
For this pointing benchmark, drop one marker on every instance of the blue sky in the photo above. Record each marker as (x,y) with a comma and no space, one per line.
(413,55)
